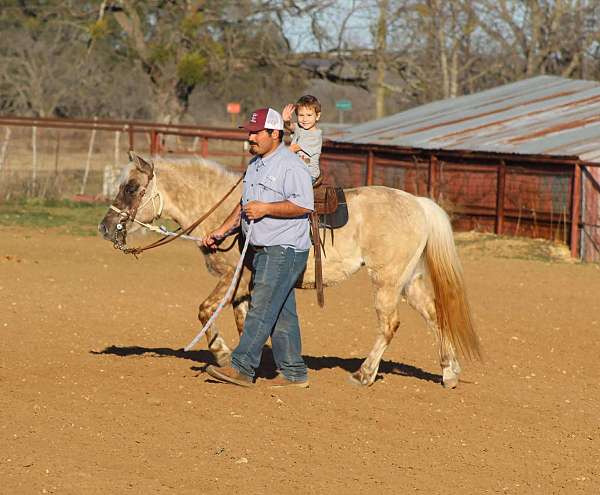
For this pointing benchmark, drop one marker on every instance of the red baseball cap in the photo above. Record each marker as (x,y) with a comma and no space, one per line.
(263,118)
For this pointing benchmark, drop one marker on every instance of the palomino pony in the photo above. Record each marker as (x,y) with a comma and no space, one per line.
(405,242)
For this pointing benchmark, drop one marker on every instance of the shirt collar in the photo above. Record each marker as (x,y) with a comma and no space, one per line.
(277,150)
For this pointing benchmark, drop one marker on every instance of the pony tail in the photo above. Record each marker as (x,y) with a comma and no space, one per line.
(451,305)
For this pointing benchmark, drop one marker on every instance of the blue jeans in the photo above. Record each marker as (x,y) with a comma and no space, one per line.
(273,313)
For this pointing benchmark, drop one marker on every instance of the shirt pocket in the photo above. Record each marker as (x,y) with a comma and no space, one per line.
(270,191)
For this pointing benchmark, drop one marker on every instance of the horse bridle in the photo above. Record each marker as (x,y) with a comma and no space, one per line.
(130,213)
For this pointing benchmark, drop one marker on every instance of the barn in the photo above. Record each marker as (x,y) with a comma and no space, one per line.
(520,159)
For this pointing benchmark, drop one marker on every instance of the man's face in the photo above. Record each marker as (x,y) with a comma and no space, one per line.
(261,142)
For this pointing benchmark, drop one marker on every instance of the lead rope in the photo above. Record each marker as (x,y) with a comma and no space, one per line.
(228,294)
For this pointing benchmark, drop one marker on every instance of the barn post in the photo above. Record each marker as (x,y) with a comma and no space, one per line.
(500,186)
(370,166)
(433,177)
(575,210)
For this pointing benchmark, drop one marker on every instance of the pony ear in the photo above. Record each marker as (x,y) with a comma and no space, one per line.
(146,167)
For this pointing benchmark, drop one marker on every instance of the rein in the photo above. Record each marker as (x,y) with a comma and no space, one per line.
(167,238)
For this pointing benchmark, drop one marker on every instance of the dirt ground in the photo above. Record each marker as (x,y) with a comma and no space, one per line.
(97,396)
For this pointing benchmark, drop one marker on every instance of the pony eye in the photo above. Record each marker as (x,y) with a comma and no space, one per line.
(131,188)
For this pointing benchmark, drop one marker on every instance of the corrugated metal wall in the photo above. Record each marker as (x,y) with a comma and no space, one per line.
(537,199)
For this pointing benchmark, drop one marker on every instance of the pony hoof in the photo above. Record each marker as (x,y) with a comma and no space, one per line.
(450,382)
(223,361)
(450,377)
(357,378)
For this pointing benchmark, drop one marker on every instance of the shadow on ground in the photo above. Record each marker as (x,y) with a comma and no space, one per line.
(267,368)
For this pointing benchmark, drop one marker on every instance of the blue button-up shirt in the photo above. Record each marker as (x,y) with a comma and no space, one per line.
(280,176)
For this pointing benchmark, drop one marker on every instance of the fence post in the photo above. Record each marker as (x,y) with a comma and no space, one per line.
(204,147)
(89,158)
(575,210)
(4,147)
(370,167)
(500,186)
(34,158)
(117,150)
(153,142)
(131,138)
(56,153)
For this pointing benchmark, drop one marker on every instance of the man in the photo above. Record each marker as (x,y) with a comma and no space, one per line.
(278,197)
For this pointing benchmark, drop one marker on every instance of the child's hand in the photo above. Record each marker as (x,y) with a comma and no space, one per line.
(295,148)
(287,111)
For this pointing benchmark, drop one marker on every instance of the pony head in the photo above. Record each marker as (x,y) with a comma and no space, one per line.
(132,203)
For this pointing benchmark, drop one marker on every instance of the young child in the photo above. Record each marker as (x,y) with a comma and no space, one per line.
(307,138)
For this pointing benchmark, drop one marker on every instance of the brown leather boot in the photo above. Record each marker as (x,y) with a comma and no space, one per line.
(282,382)
(229,374)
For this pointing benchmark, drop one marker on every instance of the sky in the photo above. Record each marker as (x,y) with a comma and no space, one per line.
(357,29)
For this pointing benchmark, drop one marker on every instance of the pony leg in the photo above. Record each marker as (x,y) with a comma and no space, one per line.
(420,297)
(387,299)
(241,302)
(240,310)
(216,343)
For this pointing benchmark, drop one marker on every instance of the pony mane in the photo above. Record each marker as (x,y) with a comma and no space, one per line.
(194,163)
(186,175)
(192,173)
(191,169)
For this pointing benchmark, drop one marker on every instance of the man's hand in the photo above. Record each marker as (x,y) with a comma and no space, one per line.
(228,227)
(210,240)
(254,210)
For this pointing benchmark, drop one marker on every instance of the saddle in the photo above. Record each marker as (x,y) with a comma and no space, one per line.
(331,212)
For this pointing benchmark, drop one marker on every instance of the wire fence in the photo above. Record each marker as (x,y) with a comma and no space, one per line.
(40,158)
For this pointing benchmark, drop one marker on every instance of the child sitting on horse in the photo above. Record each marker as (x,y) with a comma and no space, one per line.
(307,138)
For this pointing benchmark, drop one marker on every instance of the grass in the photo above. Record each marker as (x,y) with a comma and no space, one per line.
(77,218)
(81,219)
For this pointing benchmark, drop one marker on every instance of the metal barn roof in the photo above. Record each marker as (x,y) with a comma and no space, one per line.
(545,115)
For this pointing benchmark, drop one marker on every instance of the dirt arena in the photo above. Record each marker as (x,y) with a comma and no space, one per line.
(97,396)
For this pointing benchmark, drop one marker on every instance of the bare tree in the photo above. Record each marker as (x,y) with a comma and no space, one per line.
(540,36)
(155,58)
(41,67)
(380,57)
